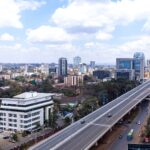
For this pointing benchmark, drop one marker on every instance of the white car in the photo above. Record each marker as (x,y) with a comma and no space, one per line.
(139,123)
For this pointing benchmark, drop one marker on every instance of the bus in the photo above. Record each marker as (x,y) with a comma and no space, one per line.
(130,135)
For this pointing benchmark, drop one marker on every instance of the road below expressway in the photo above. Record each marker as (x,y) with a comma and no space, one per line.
(79,136)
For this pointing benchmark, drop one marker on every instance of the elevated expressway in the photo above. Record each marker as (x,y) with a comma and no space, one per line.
(79,136)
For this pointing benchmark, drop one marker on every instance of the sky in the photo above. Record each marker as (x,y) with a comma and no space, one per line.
(42,31)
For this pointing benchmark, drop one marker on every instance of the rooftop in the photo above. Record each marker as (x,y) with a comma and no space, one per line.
(32,95)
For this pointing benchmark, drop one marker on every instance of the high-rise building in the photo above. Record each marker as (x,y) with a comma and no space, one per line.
(76,61)
(62,67)
(124,63)
(83,68)
(124,68)
(131,68)
(139,65)
(92,64)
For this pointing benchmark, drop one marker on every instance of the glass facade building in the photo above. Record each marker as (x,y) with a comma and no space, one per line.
(124,63)
(76,61)
(62,67)
(131,68)
(139,64)
(92,64)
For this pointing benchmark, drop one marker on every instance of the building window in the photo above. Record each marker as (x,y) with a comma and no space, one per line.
(12,115)
(36,113)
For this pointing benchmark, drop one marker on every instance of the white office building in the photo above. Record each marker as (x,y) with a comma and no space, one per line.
(25,111)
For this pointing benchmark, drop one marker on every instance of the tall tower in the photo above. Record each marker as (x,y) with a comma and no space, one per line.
(92,64)
(62,67)
(76,61)
(139,65)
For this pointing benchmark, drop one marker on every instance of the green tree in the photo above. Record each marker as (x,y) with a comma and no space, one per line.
(67,120)
(15,137)
(147,128)
(20,79)
(52,119)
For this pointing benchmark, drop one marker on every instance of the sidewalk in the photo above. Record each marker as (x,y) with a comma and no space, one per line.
(6,145)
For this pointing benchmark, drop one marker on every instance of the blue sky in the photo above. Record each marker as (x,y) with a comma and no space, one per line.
(101,30)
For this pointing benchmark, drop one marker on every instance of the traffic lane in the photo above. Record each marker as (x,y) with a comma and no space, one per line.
(116,113)
(55,139)
(119,143)
(119,111)
(82,140)
(122,101)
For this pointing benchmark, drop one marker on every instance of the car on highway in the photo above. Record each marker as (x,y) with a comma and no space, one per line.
(120,136)
(129,121)
(82,121)
(109,115)
(120,123)
(139,122)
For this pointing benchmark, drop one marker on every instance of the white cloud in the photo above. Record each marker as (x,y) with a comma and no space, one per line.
(32,4)
(6,37)
(101,15)
(48,34)
(103,36)
(79,28)
(146,26)
(10,11)
(139,44)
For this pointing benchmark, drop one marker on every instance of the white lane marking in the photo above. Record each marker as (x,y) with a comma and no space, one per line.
(101,125)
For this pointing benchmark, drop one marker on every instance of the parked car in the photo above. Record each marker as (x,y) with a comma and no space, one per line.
(6,137)
(13,141)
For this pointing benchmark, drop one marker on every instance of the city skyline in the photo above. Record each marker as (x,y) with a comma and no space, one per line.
(43,31)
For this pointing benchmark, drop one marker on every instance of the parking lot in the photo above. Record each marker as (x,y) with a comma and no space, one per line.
(4,142)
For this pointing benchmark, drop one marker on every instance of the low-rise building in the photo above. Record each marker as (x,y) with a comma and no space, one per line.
(73,80)
(25,111)
(5,76)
